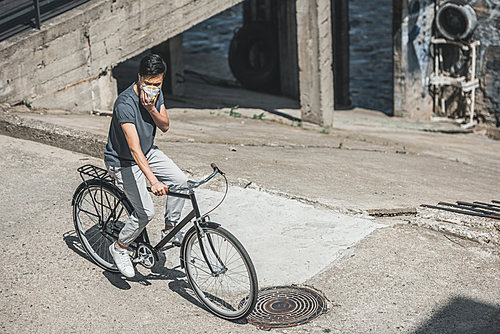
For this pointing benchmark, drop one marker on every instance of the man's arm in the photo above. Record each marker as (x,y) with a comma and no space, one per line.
(160,118)
(133,142)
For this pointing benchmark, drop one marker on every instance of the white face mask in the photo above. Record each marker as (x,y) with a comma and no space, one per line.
(151,92)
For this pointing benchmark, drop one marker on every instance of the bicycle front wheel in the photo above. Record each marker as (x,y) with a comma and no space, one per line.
(99,213)
(220,272)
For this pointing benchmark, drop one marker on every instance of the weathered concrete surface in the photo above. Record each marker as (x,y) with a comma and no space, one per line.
(364,155)
(479,229)
(409,280)
(67,64)
(52,134)
(413,21)
(302,239)
(398,279)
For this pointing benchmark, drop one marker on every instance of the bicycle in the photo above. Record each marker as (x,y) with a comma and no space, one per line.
(217,266)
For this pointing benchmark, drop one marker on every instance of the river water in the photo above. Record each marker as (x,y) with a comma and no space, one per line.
(370,48)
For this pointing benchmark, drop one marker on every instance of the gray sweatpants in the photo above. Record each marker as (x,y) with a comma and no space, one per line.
(133,182)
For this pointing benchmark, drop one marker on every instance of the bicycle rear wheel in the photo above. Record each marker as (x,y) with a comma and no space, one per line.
(230,290)
(100,211)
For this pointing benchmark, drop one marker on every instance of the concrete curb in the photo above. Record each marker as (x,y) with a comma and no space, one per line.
(478,229)
(54,135)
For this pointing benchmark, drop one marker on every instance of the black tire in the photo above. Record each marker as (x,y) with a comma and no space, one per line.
(99,213)
(254,57)
(232,294)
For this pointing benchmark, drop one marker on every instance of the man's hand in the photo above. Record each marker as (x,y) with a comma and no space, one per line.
(150,106)
(159,189)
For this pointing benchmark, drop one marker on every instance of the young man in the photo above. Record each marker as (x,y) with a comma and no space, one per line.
(131,157)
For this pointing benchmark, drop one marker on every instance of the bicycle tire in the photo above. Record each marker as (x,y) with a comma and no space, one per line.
(98,202)
(254,57)
(232,294)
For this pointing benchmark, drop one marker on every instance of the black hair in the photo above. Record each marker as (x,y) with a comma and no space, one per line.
(152,64)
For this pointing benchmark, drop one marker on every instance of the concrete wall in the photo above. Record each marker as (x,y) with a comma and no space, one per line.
(67,64)
(412,35)
(413,24)
(488,67)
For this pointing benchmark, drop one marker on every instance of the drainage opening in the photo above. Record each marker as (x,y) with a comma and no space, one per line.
(286,306)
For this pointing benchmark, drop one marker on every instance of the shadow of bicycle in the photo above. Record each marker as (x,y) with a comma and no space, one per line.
(158,272)
(177,283)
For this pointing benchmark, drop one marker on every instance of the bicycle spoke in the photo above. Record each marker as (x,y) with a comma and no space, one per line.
(228,292)
(96,212)
(199,268)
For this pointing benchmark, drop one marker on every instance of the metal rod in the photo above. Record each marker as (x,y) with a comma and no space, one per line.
(460,211)
(436,71)
(467,208)
(36,3)
(473,76)
(488,204)
(498,202)
(479,206)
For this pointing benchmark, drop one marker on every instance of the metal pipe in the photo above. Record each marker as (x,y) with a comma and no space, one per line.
(479,206)
(473,76)
(460,211)
(36,3)
(471,209)
(488,204)
(436,72)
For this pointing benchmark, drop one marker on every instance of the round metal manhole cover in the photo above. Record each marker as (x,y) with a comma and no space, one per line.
(286,306)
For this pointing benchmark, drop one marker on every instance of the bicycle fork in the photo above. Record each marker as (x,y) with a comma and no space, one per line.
(201,235)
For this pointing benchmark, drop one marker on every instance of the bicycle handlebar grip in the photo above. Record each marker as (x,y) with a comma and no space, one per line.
(213,165)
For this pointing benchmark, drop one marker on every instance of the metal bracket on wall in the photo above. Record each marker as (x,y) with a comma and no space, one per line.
(467,84)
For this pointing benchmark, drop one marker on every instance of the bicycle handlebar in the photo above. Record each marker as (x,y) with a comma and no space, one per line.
(197,184)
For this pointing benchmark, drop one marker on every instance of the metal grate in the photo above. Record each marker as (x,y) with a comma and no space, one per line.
(286,306)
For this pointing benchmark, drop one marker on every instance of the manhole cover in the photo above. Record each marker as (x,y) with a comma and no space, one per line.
(286,306)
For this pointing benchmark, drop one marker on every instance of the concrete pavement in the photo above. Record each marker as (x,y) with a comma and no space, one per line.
(367,162)
(311,193)
(399,278)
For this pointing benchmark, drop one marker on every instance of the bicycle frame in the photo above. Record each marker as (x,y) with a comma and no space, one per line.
(200,222)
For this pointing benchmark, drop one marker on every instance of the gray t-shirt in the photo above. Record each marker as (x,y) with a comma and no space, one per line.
(129,109)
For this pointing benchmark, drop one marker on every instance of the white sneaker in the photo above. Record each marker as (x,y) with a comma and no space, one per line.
(122,260)
(176,240)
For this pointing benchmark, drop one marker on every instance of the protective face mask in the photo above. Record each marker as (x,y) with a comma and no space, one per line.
(151,92)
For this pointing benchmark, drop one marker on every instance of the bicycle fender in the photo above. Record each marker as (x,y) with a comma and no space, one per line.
(209,224)
(82,186)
